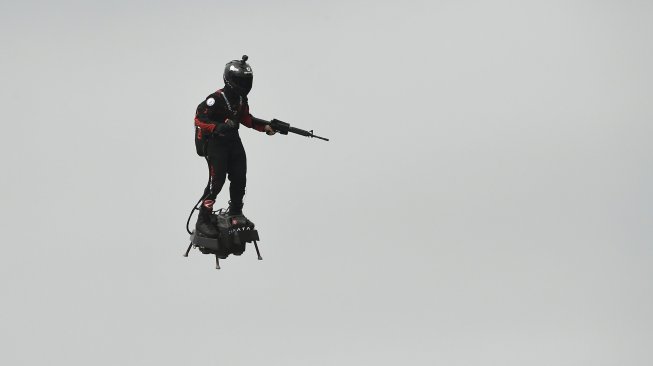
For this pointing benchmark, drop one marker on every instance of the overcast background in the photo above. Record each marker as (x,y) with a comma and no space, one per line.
(486,198)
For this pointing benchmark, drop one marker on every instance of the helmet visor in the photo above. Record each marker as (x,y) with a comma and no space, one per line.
(243,82)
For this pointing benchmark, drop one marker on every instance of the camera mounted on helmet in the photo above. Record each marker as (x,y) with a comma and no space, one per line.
(238,76)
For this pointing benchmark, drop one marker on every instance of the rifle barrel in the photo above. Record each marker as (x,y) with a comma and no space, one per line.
(299,131)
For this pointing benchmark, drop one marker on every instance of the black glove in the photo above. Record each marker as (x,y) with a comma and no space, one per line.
(228,125)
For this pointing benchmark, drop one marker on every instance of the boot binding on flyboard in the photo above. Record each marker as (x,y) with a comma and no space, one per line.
(234,230)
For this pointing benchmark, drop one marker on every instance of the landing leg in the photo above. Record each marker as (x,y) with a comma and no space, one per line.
(217,262)
(188,250)
(257,252)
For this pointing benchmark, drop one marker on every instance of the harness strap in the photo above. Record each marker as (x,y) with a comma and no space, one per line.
(229,104)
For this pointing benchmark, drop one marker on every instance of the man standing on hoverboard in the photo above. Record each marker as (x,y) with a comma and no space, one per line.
(217,120)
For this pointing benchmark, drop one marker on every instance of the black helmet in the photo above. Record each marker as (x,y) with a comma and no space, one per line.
(238,76)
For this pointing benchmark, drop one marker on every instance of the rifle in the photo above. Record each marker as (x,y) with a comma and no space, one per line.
(283,128)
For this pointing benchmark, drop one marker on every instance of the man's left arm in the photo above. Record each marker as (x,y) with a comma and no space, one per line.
(252,122)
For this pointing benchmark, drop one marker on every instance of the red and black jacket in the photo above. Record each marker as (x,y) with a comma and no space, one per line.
(213,112)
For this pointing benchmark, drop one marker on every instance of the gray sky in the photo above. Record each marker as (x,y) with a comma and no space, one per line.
(485,200)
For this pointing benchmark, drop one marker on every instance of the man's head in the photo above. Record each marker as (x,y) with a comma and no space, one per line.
(238,76)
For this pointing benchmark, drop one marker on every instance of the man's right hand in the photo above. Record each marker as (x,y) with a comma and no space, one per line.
(227,125)
(230,123)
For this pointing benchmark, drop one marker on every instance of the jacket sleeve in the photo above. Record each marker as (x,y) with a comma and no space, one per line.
(205,115)
(248,122)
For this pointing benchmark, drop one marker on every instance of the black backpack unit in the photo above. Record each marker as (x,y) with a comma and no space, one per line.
(201,142)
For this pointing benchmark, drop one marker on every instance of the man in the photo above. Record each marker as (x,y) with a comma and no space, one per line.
(217,120)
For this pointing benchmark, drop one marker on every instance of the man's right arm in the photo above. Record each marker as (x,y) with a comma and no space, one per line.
(210,118)
(203,115)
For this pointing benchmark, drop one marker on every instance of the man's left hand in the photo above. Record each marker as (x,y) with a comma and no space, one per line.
(269,130)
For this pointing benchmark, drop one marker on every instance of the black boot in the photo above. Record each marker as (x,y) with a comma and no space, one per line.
(235,209)
(204,226)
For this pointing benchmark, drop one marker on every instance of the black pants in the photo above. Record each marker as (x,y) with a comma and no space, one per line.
(226,159)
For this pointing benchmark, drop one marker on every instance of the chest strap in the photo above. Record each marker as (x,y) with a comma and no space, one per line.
(240,103)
